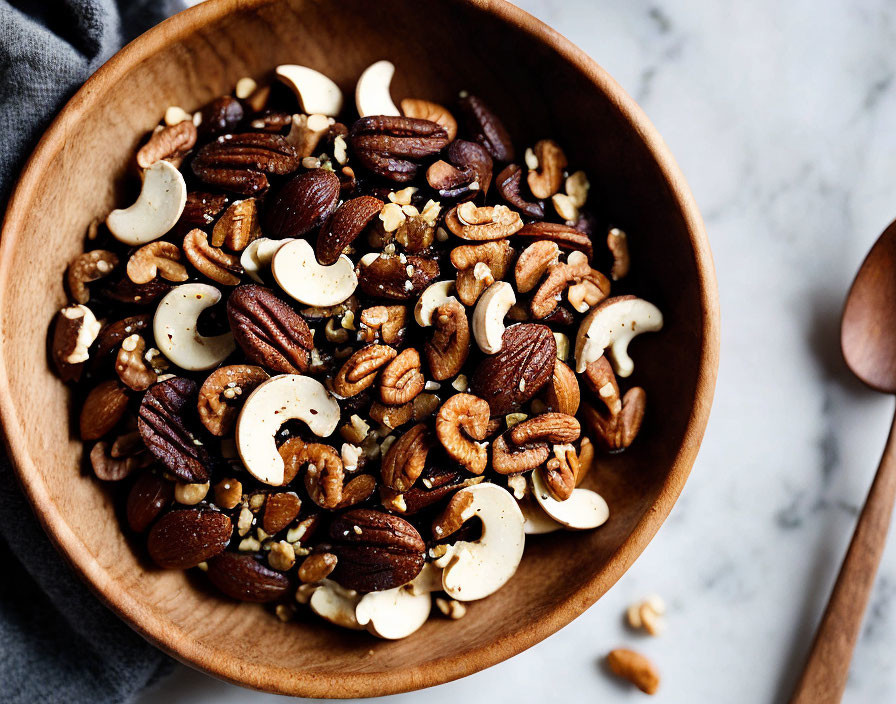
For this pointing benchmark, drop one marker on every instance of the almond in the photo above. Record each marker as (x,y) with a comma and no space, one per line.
(184,538)
(103,408)
(245,578)
(279,511)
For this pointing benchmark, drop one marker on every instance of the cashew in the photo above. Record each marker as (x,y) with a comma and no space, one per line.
(335,604)
(315,92)
(537,522)
(156,210)
(611,327)
(473,570)
(435,295)
(393,613)
(299,274)
(488,317)
(372,95)
(275,401)
(584,510)
(175,328)
(258,255)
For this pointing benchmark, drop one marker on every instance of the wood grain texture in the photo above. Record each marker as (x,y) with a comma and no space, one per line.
(542,86)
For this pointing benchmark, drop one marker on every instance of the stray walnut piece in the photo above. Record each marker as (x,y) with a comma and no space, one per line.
(346,357)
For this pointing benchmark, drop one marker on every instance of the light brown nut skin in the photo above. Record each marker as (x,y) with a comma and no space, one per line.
(553,428)
(601,379)
(131,367)
(391,416)
(387,322)
(462,420)
(401,380)
(449,347)
(560,276)
(533,261)
(103,408)
(280,510)
(617,243)
(111,466)
(586,459)
(507,458)
(156,258)
(212,262)
(590,291)
(563,395)
(617,433)
(561,472)
(87,267)
(359,371)
(316,568)
(228,493)
(171,143)
(357,490)
(450,521)
(635,668)
(485,223)
(405,460)
(495,255)
(324,476)
(425,110)
(238,226)
(222,392)
(548,179)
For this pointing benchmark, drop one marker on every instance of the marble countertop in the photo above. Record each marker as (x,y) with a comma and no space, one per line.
(781,118)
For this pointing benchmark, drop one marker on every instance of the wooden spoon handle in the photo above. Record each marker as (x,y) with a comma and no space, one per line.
(824,677)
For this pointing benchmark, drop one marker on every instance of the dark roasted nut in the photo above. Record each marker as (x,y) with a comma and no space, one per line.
(359,371)
(401,380)
(318,567)
(156,259)
(269,332)
(109,468)
(88,267)
(200,210)
(474,158)
(244,578)
(184,538)
(165,422)
(212,262)
(303,204)
(508,183)
(171,143)
(376,551)
(126,291)
(433,486)
(519,371)
(393,146)
(228,493)
(222,394)
(615,433)
(449,346)
(103,408)
(112,335)
(486,128)
(547,179)
(405,460)
(74,330)
(344,226)
(271,121)
(240,163)
(566,237)
(393,278)
(461,423)
(466,173)
(280,510)
(448,179)
(148,496)
(238,226)
(491,258)
(220,116)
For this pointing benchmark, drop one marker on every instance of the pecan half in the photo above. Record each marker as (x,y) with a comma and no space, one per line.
(563,393)
(103,408)
(617,433)
(519,371)
(508,458)
(480,224)
(547,179)
(385,322)
(359,371)
(156,259)
(566,237)
(460,423)
(86,268)
(376,551)
(131,366)
(561,472)
(222,393)
(303,204)
(269,331)
(617,243)
(509,182)
(344,226)
(533,261)
(401,380)
(240,163)
(238,226)
(165,424)
(469,260)
(426,110)
(574,271)
(390,277)
(405,460)
(172,143)
(449,346)
(486,128)
(393,147)
(554,428)
(324,475)
(601,379)
(212,262)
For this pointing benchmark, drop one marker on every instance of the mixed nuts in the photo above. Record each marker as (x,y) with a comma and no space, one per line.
(351,363)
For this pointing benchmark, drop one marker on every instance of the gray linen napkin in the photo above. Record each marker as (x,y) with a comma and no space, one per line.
(57,642)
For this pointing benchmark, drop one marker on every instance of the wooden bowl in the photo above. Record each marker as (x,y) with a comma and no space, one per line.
(541,85)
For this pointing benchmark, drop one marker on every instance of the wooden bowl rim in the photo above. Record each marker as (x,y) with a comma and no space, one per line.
(182,645)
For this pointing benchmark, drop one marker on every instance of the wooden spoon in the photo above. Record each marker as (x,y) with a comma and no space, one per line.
(868,341)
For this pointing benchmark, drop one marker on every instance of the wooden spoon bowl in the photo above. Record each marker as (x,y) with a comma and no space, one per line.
(542,86)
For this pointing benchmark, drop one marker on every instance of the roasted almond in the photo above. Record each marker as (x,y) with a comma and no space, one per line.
(148,496)
(244,578)
(103,408)
(303,204)
(184,538)
(280,510)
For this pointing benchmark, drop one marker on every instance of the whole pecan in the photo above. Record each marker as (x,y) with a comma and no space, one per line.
(401,380)
(269,331)
(359,371)
(566,237)
(212,262)
(171,143)
(184,538)
(344,226)
(405,460)
(244,578)
(486,128)
(393,147)
(166,421)
(303,204)
(519,371)
(396,279)
(240,163)
(490,222)
(460,423)
(376,551)
(222,394)
(449,346)
(509,183)
(103,408)
(88,267)
(471,282)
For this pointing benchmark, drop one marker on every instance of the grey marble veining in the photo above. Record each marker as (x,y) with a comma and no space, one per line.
(781,116)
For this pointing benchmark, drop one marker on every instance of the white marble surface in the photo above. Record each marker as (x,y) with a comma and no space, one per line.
(781,116)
